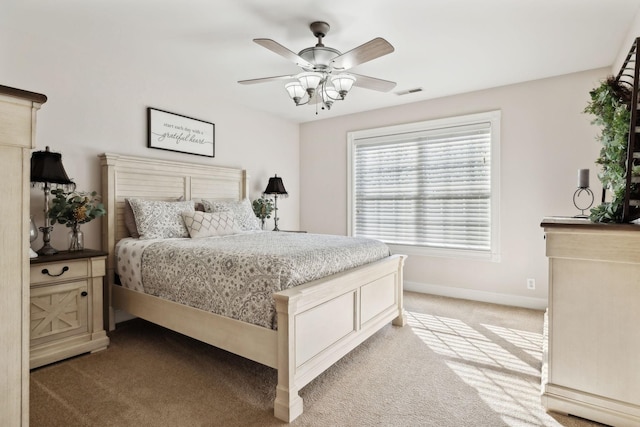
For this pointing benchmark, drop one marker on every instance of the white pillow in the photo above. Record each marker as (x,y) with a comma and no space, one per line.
(205,224)
(160,220)
(241,210)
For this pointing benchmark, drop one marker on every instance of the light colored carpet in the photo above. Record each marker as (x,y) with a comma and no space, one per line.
(456,363)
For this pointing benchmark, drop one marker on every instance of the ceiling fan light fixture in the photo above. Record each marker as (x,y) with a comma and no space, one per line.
(296,91)
(310,81)
(330,93)
(343,83)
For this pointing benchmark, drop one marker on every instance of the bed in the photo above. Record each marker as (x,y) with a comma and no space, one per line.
(318,322)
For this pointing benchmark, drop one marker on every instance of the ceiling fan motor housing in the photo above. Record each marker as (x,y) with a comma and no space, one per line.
(320,57)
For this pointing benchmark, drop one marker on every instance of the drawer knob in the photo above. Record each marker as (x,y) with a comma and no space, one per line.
(83,293)
(46,271)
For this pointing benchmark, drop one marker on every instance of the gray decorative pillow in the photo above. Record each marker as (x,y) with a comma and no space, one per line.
(241,209)
(205,224)
(160,220)
(130,220)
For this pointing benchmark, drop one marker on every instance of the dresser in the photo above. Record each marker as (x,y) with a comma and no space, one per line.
(592,361)
(66,305)
(18,110)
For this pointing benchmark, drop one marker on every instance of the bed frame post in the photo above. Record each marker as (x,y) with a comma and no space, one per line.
(401,320)
(288,404)
(108,238)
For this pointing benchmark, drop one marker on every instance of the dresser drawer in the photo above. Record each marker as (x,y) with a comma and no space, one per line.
(47,273)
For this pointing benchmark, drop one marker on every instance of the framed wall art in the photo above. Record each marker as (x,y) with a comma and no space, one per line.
(174,132)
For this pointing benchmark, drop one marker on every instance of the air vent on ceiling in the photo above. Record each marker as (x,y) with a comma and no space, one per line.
(408,91)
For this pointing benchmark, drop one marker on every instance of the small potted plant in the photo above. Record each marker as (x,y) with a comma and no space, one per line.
(262,208)
(72,209)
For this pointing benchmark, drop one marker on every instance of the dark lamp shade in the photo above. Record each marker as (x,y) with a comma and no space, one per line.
(275,186)
(47,167)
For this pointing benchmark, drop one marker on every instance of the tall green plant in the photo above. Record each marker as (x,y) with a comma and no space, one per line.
(609,104)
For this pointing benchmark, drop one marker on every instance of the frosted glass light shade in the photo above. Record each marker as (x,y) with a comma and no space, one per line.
(329,94)
(295,90)
(309,80)
(343,83)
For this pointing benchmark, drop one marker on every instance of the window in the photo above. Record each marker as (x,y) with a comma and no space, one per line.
(429,187)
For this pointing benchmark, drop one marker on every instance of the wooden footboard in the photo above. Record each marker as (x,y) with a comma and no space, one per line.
(318,323)
(321,321)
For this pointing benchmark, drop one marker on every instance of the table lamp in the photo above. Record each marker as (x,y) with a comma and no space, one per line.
(47,170)
(276,188)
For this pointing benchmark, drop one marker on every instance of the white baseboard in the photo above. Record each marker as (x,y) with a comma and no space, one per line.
(474,295)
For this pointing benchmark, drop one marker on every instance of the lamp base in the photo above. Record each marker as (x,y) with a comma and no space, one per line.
(47,250)
(275,212)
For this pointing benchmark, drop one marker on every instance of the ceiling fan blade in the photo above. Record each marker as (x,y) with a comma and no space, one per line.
(371,50)
(284,52)
(265,79)
(373,83)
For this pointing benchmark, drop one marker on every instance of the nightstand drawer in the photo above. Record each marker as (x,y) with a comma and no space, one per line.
(58,271)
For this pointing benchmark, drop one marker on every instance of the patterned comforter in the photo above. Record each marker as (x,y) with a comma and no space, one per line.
(235,276)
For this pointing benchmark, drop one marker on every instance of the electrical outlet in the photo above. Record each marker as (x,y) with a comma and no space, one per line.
(531,284)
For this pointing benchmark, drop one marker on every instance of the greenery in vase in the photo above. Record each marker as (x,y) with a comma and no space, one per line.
(76,207)
(262,208)
(609,104)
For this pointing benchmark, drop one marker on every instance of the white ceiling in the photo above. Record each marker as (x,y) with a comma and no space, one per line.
(443,46)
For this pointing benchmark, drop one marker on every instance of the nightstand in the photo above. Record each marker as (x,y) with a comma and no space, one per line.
(66,306)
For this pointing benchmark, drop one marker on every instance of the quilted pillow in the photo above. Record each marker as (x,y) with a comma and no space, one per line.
(241,210)
(205,224)
(160,220)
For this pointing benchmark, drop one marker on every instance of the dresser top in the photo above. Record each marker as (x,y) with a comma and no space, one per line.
(24,94)
(66,255)
(584,223)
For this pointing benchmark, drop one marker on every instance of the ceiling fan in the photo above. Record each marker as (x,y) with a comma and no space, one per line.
(324,79)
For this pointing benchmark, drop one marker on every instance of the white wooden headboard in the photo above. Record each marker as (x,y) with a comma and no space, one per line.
(127,176)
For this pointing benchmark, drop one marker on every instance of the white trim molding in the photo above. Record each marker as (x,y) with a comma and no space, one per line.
(475,295)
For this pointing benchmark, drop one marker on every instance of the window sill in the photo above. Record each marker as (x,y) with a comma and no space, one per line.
(444,253)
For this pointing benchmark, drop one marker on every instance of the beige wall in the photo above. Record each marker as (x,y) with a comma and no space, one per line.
(545,140)
(97,103)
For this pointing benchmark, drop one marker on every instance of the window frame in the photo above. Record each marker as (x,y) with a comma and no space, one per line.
(494,118)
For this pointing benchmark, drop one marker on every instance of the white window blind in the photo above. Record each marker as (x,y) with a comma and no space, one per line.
(429,188)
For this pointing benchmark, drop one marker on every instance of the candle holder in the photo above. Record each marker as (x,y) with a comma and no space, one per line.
(576,199)
(583,186)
